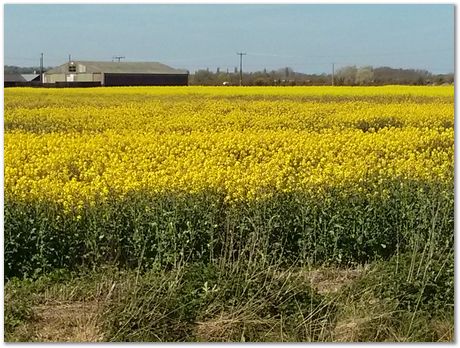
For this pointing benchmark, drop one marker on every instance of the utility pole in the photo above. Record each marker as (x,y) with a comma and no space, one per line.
(241,54)
(118,58)
(41,68)
(70,58)
(332,74)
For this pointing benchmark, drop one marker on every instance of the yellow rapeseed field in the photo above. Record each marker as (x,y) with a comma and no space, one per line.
(82,145)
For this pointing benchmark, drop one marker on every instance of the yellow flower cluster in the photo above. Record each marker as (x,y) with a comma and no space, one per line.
(79,145)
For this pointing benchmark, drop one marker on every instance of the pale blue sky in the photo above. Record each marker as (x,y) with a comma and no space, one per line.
(306,37)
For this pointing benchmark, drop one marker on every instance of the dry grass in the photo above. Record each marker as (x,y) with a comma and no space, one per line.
(62,316)
(62,322)
(445,330)
(329,280)
(232,328)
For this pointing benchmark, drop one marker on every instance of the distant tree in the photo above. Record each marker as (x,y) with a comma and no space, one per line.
(284,73)
(364,75)
(203,77)
(261,81)
(440,79)
(420,81)
(449,78)
(347,75)
(8,69)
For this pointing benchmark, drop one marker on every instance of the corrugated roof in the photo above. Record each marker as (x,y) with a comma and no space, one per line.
(30,77)
(119,67)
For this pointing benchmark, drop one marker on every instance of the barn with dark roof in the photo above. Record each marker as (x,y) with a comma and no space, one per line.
(15,79)
(116,74)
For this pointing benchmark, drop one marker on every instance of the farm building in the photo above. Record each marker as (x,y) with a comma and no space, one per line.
(20,80)
(31,77)
(13,78)
(116,74)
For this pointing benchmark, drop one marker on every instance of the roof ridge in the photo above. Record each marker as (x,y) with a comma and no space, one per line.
(120,67)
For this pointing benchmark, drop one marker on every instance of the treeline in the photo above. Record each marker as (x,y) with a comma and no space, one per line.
(11,69)
(367,75)
(346,76)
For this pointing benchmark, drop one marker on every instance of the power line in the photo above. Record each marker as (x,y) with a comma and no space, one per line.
(354,55)
(270,55)
(302,65)
(118,58)
(273,55)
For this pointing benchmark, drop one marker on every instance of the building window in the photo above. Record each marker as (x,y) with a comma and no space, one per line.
(72,67)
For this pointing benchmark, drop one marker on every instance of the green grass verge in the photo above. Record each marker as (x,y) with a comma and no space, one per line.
(408,298)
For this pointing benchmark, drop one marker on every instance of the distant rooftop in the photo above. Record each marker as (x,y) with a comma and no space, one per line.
(30,77)
(14,77)
(118,67)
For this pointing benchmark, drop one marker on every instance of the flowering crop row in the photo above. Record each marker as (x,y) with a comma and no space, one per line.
(122,174)
(245,150)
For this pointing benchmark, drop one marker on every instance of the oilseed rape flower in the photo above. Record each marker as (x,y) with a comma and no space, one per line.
(156,175)
(76,146)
